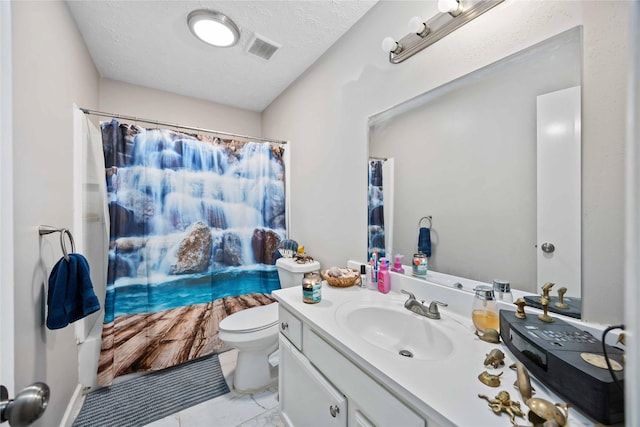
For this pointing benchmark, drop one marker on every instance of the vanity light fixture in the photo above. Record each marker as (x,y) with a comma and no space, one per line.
(452,7)
(213,28)
(418,26)
(390,45)
(453,15)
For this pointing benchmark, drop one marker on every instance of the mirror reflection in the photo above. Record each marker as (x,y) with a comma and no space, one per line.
(481,155)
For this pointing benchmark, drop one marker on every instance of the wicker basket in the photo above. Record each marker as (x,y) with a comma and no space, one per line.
(341,282)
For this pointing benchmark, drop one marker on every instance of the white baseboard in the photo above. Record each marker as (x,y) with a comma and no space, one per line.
(73,408)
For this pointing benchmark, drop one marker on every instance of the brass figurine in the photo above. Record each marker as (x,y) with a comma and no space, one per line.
(503,403)
(489,379)
(495,358)
(490,335)
(621,340)
(520,303)
(544,300)
(523,382)
(560,303)
(546,288)
(542,411)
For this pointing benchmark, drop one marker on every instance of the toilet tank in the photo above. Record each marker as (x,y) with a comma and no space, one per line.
(290,273)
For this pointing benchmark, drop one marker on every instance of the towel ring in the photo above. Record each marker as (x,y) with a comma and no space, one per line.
(47,229)
(428,218)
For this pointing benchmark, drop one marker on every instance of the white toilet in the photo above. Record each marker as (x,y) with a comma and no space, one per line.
(254,332)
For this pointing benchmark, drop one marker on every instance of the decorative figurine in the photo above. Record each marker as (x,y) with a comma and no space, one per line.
(544,300)
(546,288)
(520,303)
(490,335)
(541,410)
(503,403)
(489,379)
(560,303)
(495,358)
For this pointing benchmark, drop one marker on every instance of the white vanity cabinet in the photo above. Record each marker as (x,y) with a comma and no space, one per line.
(320,387)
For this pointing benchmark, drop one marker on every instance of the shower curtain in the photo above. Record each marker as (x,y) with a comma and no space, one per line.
(195,224)
(376,241)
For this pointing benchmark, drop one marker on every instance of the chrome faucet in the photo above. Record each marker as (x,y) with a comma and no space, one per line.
(412,304)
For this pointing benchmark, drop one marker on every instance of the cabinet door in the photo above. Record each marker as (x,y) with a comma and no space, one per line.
(306,397)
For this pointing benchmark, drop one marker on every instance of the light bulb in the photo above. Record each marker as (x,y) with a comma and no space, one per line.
(452,7)
(417,26)
(390,45)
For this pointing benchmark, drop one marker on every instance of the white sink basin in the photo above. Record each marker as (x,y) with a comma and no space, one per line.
(395,329)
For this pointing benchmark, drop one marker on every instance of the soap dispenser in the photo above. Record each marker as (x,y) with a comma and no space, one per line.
(397,265)
(484,312)
(384,284)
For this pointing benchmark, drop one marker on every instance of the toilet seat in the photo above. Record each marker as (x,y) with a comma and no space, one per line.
(251,320)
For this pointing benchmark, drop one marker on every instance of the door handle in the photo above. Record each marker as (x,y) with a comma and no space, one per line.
(27,407)
(548,248)
(334,410)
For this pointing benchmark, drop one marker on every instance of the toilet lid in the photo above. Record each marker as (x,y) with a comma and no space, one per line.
(251,319)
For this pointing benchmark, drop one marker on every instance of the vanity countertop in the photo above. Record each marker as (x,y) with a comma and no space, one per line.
(445,389)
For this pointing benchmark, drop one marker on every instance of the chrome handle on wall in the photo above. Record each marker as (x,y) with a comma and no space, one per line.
(334,410)
(284,326)
(548,248)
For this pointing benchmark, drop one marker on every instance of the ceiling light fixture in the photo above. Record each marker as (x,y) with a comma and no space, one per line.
(453,15)
(213,28)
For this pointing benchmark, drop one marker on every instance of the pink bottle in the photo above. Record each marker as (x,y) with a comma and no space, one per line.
(384,284)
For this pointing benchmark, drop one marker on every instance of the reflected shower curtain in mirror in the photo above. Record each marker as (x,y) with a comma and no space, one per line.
(195,223)
(375,210)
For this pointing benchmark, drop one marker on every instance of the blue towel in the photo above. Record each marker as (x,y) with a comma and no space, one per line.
(71,296)
(424,241)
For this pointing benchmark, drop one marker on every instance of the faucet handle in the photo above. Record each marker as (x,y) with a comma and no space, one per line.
(433,308)
(411,296)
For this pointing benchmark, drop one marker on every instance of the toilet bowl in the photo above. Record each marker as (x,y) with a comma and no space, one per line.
(254,332)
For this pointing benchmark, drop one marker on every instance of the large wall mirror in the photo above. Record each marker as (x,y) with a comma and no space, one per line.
(494,158)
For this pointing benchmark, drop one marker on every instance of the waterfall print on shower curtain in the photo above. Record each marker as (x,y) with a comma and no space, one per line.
(375,210)
(195,223)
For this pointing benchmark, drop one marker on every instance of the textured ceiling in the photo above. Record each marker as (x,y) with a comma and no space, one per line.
(148,43)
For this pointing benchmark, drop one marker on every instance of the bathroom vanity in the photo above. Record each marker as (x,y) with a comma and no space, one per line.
(359,358)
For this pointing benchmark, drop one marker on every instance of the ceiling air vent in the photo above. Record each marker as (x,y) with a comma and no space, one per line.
(262,47)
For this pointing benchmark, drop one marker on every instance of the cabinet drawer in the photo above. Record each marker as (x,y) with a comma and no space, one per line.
(290,327)
(376,405)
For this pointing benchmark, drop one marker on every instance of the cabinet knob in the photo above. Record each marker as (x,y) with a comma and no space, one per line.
(334,410)
(284,326)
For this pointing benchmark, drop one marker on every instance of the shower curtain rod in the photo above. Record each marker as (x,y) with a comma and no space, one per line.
(173,125)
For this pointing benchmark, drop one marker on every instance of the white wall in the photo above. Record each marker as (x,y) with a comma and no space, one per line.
(52,69)
(123,98)
(324,113)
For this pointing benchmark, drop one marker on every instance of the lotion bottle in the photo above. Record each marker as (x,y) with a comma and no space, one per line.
(384,284)
(363,276)
(397,265)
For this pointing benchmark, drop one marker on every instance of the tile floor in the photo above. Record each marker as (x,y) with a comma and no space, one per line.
(231,409)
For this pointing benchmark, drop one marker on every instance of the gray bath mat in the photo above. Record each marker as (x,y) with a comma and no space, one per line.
(153,396)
